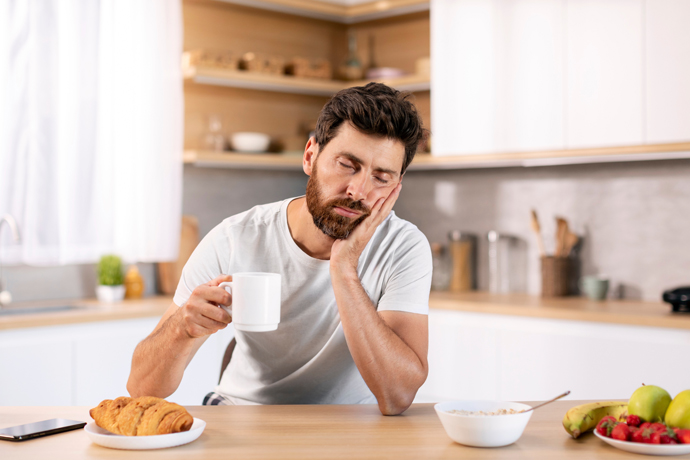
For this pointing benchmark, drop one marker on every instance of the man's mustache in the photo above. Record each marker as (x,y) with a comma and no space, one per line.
(350,204)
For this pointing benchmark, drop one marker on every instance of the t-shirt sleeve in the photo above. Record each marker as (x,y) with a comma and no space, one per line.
(407,288)
(205,264)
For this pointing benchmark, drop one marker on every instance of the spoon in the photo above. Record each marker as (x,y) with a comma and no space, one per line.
(548,402)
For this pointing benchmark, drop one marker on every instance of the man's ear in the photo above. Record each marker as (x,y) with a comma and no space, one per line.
(309,158)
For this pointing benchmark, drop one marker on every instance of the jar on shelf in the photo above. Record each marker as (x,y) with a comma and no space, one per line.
(463,253)
(214,139)
(507,263)
(440,278)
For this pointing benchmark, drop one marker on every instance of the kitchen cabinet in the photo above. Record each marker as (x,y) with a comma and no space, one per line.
(603,78)
(343,11)
(667,70)
(538,82)
(82,364)
(35,369)
(489,356)
(497,76)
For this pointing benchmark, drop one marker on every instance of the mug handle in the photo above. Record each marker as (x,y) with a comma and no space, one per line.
(227,285)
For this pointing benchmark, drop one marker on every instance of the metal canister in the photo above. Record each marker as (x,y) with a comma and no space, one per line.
(463,252)
(505,270)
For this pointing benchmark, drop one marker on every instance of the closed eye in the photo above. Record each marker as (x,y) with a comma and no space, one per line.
(346,166)
(380,180)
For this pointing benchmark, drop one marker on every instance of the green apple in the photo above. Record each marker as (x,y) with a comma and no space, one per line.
(649,402)
(678,412)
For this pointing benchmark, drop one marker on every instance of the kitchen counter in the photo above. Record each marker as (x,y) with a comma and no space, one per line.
(301,432)
(92,311)
(628,312)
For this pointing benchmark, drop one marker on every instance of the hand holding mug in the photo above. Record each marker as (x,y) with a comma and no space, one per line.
(200,315)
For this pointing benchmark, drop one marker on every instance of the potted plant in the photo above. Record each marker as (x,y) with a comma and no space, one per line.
(110,281)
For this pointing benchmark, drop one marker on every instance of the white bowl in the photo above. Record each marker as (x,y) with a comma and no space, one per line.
(250,142)
(483,430)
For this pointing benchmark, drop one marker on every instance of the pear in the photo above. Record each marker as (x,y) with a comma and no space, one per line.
(649,402)
(678,412)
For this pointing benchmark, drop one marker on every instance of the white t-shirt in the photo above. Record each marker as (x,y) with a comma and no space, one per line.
(306,360)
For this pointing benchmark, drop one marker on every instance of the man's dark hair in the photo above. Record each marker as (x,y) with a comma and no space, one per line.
(373,109)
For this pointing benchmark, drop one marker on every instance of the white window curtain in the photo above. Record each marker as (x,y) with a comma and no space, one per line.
(91,134)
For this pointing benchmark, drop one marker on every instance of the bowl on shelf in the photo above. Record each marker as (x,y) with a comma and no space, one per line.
(250,142)
(477,430)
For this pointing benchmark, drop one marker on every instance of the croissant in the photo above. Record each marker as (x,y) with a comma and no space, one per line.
(144,416)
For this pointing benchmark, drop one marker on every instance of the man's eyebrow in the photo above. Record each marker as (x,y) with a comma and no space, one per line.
(354,159)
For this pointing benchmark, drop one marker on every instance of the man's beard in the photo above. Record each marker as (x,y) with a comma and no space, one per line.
(325,218)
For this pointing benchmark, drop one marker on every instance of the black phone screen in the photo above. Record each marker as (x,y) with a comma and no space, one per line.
(38,429)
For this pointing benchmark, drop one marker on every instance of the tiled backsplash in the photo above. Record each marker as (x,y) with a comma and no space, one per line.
(635,217)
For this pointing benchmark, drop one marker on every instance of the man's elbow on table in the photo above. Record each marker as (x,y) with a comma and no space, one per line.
(395,405)
(398,400)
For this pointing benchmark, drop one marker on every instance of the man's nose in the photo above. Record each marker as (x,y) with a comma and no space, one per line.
(358,188)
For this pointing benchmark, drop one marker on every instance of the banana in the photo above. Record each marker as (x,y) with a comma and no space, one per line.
(585,417)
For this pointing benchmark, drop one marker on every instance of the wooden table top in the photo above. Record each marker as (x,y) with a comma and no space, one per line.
(313,432)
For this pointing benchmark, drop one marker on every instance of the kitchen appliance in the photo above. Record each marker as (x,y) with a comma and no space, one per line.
(679,298)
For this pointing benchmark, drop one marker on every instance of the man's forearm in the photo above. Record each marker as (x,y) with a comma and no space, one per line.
(391,369)
(159,362)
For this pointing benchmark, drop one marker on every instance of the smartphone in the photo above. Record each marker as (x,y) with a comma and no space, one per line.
(38,429)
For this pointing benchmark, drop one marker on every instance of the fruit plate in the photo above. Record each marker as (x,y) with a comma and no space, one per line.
(115,441)
(646,449)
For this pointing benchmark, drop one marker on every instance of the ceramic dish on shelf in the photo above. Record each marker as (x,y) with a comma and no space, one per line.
(646,449)
(115,441)
(250,142)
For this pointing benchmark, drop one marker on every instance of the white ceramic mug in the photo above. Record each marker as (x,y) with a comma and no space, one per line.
(255,301)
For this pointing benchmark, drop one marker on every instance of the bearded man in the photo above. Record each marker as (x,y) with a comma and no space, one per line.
(355,278)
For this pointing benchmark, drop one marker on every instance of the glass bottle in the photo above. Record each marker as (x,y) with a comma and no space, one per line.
(440,278)
(213,139)
(352,67)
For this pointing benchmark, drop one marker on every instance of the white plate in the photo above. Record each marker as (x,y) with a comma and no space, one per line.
(116,441)
(646,449)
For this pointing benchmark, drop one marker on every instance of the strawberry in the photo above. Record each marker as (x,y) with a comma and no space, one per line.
(646,435)
(633,420)
(668,436)
(636,435)
(683,436)
(659,427)
(605,426)
(621,432)
(645,425)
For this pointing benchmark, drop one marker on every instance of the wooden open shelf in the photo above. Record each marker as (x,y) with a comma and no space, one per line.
(295,85)
(339,12)
(427,162)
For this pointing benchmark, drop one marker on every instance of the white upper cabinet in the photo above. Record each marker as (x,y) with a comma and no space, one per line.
(667,71)
(530,75)
(603,77)
(497,75)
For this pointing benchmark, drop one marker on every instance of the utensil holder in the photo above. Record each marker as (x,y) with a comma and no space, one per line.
(555,276)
